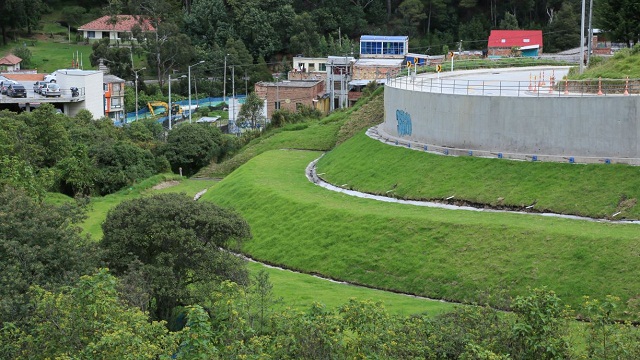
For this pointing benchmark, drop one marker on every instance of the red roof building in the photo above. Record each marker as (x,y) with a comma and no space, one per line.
(10,63)
(114,27)
(528,42)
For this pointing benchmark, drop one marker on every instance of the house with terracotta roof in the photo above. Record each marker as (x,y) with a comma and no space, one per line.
(115,27)
(10,63)
(528,42)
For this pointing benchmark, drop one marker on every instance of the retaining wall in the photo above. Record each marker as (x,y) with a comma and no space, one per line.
(554,128)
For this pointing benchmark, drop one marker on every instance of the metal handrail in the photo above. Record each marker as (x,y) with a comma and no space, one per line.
(536,88)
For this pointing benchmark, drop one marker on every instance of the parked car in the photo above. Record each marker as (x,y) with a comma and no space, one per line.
(52,77)
(16,90)
(51,89)
(38,85)
(4,85)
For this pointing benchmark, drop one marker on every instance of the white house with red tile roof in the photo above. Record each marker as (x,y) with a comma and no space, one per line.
(529,42)
(10,63)
(114,27)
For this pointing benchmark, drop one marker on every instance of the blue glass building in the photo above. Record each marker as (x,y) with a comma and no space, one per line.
(374,46)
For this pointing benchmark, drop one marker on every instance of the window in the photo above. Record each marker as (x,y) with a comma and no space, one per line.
(312,67)
(503,41)
(277,105)
(525,40)
(115,87)
(91,34)
(116,102)
(323,67)
(105,87)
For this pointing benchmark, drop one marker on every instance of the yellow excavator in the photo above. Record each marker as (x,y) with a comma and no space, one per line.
(153,105)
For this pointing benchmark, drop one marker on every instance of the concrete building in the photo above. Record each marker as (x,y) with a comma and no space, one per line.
(114,98)
(290,95)
(115,28)
(10,63)
(307,68)
(90,84)
(528,42)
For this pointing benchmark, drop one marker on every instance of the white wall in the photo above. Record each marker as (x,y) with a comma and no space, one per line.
(90,84)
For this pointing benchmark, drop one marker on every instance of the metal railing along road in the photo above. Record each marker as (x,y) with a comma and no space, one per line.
(531,88)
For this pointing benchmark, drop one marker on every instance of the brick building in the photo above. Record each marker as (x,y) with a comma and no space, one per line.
(290,95)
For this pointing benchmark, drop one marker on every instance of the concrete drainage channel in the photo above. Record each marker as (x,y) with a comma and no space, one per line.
(314,178)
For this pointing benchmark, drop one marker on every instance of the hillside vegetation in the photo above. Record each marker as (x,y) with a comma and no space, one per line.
(455,255)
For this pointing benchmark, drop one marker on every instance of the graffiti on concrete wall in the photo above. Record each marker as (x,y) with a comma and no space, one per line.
(404,123)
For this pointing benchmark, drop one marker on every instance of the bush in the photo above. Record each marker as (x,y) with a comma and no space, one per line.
(193,146)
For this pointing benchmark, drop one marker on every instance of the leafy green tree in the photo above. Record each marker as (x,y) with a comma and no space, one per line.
(542,325)
(116,58)
(192,146)
(263,25)
(413,14)
(209,23)
(251,110)
(179,244)
(39,245)
(74,15)
(51,139)
(510,22)
(86,321)
(621,18)
(119,164)
(19,174)
(23,53)
(564,31)
(305,38)
(166,48)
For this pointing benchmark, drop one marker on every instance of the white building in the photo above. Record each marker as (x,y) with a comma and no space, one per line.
(90,84)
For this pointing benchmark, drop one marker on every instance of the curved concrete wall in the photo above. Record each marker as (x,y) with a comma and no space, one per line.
(598,127)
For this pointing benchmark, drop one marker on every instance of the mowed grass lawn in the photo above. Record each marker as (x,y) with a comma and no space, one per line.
(48,56)
(311,135)
(297,291)
(448,254)
(594,190)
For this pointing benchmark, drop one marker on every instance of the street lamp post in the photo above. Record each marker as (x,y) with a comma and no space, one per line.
(224,80)
(190,66)
(136,72)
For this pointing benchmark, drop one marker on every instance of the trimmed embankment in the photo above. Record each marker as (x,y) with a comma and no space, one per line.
(453,255)
(594,190)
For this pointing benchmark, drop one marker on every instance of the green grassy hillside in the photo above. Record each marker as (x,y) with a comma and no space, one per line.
(455,255)
(595,190)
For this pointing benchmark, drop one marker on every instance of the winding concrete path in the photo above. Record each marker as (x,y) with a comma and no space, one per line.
(314,178)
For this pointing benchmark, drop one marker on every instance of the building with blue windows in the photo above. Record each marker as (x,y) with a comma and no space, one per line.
(374,46)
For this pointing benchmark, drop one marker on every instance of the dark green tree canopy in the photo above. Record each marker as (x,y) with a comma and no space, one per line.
(176,242)
(39,245)
(193,146)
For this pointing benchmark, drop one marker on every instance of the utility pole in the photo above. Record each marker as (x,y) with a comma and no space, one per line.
(233,94)
(224,81)
(589,44)
(582,39)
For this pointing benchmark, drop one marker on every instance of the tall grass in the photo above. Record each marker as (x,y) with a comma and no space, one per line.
(455,255)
